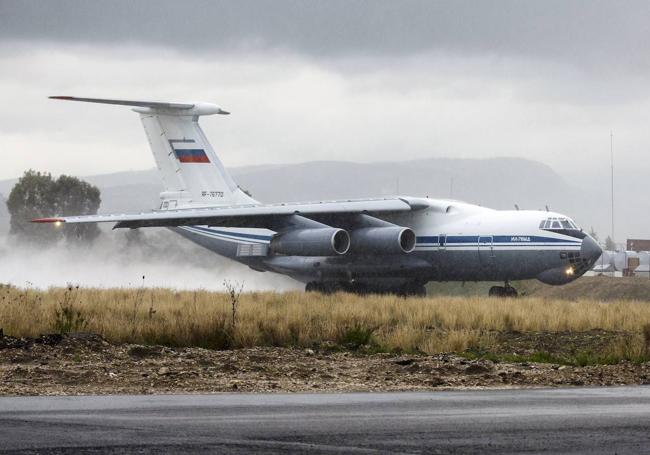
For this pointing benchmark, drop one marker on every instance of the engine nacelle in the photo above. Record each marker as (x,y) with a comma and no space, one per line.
(383,240)
(311,242)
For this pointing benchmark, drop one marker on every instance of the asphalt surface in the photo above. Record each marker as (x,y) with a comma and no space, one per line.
(578,420)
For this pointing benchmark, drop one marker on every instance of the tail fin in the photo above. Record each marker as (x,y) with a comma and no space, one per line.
(192,173)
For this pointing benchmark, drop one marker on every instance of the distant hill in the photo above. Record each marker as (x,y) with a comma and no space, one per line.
(498,183)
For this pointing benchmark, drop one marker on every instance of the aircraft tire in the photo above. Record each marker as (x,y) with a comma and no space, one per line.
(510,292)
(413,289)
(496,291)
(325,287)
(502,291)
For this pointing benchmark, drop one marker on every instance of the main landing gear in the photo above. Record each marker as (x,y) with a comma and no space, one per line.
(503,291)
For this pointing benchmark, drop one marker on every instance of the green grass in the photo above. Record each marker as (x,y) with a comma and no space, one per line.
(355,336)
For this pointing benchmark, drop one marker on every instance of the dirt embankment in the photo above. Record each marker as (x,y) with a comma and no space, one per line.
(87,364)
(596,288)
(593,287)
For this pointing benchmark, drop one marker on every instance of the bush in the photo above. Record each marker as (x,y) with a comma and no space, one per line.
(355,336)
(67,317)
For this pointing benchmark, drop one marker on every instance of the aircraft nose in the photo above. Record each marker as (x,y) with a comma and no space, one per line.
(590,250)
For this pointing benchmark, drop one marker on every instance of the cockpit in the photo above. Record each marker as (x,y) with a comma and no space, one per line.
(562,225)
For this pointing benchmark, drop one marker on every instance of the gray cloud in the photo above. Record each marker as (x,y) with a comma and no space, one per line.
(364,81)
(602,35)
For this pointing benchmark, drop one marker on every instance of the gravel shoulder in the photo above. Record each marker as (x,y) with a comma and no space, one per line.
(86,364)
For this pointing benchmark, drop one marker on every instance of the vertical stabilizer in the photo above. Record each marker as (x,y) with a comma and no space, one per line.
(191,171)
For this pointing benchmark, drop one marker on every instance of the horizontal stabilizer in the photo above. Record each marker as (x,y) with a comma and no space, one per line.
(153,104)
(149,104)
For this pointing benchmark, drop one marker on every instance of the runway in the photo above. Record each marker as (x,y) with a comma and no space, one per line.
(578,420)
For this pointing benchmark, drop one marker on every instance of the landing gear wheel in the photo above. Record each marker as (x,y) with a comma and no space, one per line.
(503,291)
(325,287)
(496,291)
(413,290)
(510,292)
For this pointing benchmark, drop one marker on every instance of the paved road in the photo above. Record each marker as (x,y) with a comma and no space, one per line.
(607,420)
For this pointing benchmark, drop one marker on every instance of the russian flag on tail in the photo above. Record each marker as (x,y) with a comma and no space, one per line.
(191,155)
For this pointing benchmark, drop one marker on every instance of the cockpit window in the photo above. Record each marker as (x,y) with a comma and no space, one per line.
(564,224)
(561,225)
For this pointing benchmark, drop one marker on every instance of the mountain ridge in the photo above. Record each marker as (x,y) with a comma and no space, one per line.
(499,183)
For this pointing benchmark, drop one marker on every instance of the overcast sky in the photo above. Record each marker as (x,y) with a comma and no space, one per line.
(359,81)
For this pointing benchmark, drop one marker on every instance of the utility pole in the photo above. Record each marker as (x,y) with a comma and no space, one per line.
(611,156)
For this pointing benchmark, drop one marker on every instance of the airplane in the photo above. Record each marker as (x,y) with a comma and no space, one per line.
(379,245)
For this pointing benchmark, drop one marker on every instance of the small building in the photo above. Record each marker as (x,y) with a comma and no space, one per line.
(644,265)
(626,262)
(605,264)
(638,245)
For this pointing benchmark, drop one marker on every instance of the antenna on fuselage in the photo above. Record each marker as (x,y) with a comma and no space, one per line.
(546,208)
(517,207)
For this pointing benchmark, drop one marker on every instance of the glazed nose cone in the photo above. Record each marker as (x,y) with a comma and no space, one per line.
(590,250)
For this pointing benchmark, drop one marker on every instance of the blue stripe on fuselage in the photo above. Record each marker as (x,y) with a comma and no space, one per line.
(496,239)
(458,240)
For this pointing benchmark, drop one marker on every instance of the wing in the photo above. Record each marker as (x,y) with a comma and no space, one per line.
(260,216)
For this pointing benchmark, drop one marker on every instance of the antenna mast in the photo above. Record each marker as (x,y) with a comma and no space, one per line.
(611,156)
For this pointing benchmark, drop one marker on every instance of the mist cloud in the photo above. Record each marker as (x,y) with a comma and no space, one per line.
(163,258)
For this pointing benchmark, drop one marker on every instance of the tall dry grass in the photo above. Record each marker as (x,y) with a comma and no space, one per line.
(202,318)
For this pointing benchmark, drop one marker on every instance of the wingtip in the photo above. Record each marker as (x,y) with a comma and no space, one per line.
(48,220)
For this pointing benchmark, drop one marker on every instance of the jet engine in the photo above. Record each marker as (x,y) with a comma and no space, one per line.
(311,242)
(383,240)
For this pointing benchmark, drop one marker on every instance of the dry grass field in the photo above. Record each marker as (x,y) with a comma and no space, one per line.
(473,325)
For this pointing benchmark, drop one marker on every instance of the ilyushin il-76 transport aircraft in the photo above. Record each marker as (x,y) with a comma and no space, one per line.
(390,244)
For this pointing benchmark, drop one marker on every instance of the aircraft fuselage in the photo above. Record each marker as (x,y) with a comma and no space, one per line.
(454,242)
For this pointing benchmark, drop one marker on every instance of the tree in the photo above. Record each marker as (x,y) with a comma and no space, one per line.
(38,195)
(32,197)
(76,197)
(609,244)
